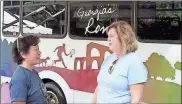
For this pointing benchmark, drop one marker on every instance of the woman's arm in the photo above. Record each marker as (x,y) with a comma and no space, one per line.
(18,91)
(137,77)
(94,100)
(136,91)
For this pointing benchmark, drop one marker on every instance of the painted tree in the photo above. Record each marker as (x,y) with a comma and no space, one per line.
(152,65)
(177,65)
(166,70)
(159,66)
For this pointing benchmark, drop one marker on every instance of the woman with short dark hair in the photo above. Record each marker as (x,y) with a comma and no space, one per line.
(26,86)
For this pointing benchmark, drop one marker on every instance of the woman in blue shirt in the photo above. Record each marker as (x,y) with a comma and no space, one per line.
(26,87)
(122,75)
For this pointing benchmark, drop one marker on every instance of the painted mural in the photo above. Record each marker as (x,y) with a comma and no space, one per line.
(61,50)
(83,78)
(7,64)
(161,91)
(5,94)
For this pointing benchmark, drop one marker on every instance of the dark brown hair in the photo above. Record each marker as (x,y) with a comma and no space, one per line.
(22,45)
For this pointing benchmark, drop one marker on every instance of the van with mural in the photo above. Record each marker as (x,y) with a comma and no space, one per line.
(73,42)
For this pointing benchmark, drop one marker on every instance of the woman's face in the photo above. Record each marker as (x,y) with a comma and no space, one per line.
(33,56)
(113,39)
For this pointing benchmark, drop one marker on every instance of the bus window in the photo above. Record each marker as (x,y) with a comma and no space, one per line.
(88,20)
(11,3)
(11,17)
(159,20)
(44,18)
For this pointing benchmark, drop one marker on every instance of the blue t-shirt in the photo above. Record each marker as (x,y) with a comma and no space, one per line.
(114,87)
(26,86)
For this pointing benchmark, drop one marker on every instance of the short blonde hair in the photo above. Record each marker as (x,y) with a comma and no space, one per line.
(126,35)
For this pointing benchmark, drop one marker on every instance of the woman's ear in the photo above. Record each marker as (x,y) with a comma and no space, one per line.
(23,55)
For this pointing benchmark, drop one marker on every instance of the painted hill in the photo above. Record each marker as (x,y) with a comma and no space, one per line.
(7,64)
(162,92)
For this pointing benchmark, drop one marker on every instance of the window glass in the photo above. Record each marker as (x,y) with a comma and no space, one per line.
(88,20)
(10,25)
(44,18)
(159,20)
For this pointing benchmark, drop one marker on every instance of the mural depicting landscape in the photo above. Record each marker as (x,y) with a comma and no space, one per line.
(84,79)
(161,91)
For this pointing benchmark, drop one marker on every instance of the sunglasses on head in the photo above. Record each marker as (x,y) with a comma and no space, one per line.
(17,44)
